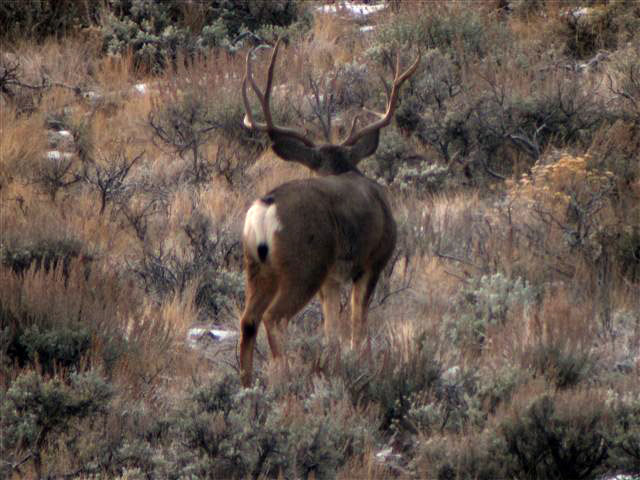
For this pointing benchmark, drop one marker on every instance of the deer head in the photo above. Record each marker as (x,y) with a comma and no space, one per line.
(310,236)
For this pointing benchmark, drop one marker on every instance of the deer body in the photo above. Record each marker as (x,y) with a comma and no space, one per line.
(310,236)
(353,233)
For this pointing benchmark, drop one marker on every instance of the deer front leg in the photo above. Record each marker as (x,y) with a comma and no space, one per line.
(359,309)
(276,320)
(361,293)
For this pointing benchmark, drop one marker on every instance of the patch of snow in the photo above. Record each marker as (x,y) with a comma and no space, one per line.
(580,12)
(391,460)
(327,8)
(622,477)
(196,334)
(60,140)
(386,454)
(353,8)
(58,155)
(223,334)
(141,88)
(367,28)
(91,95)
(452,375)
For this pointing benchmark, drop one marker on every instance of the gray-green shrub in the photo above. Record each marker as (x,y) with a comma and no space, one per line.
(36,410)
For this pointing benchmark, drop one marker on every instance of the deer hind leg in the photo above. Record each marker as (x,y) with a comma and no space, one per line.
(361,293)
(260,293)
(330,298)
(292,295)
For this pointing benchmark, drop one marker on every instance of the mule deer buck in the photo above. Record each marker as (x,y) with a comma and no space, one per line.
(310,236)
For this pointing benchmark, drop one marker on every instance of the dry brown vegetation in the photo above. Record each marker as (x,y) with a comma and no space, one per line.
(504,337)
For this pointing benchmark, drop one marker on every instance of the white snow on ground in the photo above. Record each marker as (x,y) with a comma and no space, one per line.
(352,8)
(91,95)
(386,454)
(367,28)
(141,88)
(57,155)
(581,12)
(197,333)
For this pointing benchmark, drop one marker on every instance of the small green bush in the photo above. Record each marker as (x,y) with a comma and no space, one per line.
(159,32)
(560,364)
(496,387)
(35,410)
(589,29)
(64,323)
(553,437)
(39,19)
(220,292)
(487,302)
(425,177)
(149,29)
(230,432)
(628,252)
(453,458)
(451,405)
(624,454)
(462,34)
(390,155)
(546,441)
(47,255)
(49,348)
(398,382)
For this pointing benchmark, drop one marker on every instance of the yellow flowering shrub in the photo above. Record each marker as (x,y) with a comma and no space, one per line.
(562,197)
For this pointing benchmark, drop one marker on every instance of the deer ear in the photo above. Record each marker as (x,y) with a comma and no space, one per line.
(293,150)
(364,147)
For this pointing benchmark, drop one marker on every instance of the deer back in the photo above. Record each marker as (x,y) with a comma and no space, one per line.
(344,219)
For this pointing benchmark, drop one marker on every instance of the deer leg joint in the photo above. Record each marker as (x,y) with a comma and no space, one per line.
(248,330)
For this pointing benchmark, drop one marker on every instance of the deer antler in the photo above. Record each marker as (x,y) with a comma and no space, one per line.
(268,125)
(392,100)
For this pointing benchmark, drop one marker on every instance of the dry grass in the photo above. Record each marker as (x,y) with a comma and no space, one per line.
(552,340)
(17,157)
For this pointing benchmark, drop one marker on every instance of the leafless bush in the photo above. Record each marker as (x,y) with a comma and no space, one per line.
(14,89)
(57,171)
(108,176)
(189,125)
(201,252)
(185,127)
(137,211)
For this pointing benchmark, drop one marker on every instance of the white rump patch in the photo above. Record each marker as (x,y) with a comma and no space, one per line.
(260,225)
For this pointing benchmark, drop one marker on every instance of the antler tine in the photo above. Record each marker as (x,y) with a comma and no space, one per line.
(353,125)
(392,99)
(248,117)
(267,90)
(264,99)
